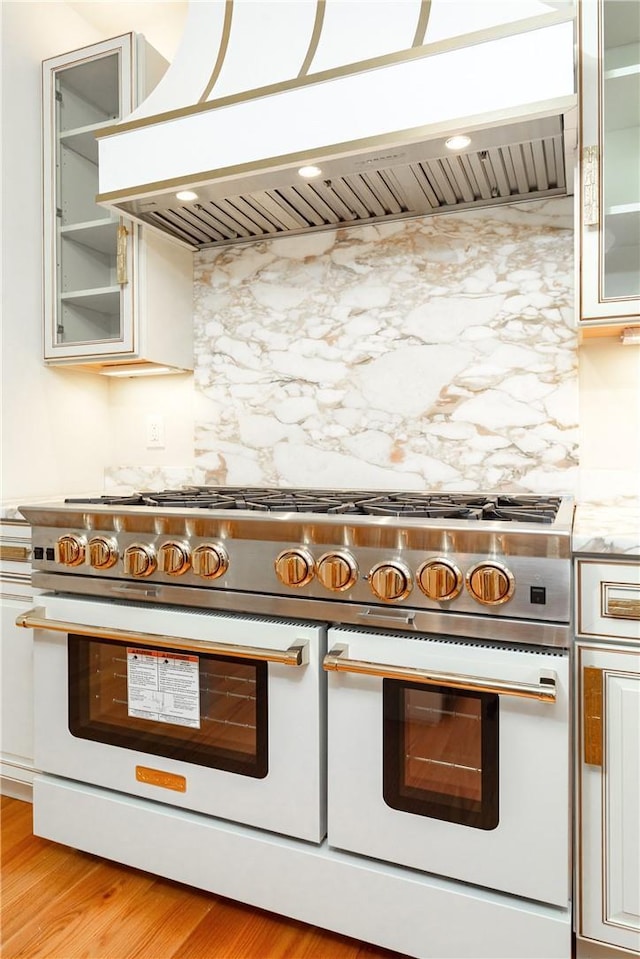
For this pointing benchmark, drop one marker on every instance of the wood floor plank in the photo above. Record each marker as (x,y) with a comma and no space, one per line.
(157,923)
(96,904)
(65,904)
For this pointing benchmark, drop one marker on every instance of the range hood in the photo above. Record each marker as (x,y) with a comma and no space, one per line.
(280,93)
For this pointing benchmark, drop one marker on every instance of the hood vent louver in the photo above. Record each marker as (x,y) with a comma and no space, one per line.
(439,184)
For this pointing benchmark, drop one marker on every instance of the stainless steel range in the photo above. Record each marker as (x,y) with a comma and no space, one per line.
(367,692)
(320,554)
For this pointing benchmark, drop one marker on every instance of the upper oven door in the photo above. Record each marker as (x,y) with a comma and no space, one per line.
(442,758)
(214,713)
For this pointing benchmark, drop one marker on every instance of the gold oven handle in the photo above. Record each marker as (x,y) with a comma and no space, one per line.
(294,656)
(545,690)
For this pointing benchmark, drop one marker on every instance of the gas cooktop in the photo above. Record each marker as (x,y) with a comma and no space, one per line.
(412,505)
(306,552)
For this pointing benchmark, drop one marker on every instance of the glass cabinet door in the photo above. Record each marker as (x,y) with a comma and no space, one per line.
(87,96)
(610,74)
(621,149)
(88,252)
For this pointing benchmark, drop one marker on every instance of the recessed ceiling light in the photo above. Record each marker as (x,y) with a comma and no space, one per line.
(186,195)
(457,142)
(308,172)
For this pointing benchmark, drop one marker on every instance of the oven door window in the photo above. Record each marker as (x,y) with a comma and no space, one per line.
(204,709)
(440,753)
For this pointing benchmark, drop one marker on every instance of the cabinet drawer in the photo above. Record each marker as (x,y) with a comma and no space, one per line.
(608,599)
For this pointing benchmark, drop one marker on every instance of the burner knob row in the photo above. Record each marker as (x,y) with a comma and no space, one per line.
(489,583)
(208,560)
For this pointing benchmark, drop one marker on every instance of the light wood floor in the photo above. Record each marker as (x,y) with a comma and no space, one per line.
(58,903)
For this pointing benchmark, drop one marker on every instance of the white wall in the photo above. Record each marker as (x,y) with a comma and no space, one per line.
(60,429)
(55,424)
(609,383)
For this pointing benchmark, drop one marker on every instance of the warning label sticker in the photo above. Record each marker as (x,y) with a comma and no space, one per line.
(163,686)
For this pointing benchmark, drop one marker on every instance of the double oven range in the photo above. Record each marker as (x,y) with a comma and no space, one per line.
(349,707)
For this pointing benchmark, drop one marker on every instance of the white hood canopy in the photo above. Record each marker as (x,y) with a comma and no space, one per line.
(366,91)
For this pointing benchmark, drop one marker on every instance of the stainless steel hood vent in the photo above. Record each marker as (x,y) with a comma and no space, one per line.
(376,128)
(526,161)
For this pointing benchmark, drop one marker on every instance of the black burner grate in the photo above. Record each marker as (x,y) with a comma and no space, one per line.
(412,505)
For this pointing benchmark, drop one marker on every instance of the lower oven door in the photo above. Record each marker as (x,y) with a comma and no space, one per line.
(215,713)
(443,758)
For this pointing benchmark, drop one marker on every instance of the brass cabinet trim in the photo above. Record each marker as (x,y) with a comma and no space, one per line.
(591,633)
(14,554)
(592,699)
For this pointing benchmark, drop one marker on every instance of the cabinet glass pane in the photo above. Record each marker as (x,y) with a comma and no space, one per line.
(621,148)
(88,297)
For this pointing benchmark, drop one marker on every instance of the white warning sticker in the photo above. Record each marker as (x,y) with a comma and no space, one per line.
(163,686)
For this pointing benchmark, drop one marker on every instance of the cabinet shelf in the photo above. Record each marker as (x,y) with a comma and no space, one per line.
(82,140)
(98,235)
(105,299)
(617,73)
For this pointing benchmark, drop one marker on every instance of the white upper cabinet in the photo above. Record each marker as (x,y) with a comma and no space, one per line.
(115,298)
(610,169)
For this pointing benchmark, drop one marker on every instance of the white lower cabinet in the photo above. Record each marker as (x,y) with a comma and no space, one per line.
(16,663)
(608,824)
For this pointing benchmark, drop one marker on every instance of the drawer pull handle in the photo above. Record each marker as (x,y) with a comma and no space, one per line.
(296,655)
(545,690)
(623,608)
(14,554)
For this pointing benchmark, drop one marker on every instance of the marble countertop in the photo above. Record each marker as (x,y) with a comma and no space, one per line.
(607,530)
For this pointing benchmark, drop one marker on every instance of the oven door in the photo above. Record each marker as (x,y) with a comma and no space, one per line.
(215,713)
(452,757)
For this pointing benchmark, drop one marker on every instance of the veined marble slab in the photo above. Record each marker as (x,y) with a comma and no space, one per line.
(431,353)
(607,530)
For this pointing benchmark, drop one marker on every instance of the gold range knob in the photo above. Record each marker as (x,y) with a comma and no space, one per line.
(139,560)
(439,579)
(295,567)
(337,571)
(173,558)
(210,561)
(70,550)
(102,552)
(490,583)
(390,581)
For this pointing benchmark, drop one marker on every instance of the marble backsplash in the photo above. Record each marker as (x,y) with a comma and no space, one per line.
(437,352)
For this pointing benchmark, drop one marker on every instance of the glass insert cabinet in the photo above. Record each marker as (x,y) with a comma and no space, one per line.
(610,170)
(113,294)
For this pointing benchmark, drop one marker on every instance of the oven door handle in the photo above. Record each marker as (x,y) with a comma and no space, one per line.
(544,690)
(296,655)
